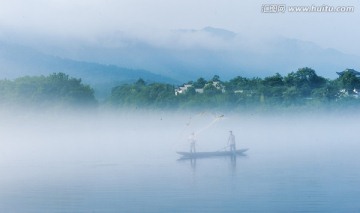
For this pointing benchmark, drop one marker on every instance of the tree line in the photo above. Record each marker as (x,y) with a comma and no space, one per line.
(57,89)
(296,89)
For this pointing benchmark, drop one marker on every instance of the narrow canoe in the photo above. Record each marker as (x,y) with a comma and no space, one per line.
(211,154)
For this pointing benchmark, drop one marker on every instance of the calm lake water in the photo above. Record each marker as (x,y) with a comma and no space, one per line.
(128,163)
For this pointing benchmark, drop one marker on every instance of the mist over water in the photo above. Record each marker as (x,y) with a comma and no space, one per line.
(126,162)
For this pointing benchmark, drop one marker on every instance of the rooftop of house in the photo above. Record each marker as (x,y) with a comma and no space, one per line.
(349,70)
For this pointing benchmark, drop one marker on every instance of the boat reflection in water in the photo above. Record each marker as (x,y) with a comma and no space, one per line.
(193,156)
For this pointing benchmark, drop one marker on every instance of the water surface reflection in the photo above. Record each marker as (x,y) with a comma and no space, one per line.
(115,164)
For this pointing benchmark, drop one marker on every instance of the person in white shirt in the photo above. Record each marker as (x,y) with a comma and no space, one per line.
(231,142)
(192,141)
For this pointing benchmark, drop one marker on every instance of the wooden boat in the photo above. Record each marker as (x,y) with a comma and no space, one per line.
(211,154)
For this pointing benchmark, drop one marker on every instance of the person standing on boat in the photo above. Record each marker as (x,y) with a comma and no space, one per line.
(192,141)
(231,142)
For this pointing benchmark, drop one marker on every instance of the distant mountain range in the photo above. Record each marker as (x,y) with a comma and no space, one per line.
(176,57)
(187,54)
(17,61)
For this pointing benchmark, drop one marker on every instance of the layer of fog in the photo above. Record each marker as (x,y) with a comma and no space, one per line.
(29,140)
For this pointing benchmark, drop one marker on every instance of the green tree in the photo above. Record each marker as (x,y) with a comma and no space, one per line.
(55,89)
(152,95)
(304,81)
(190,91)
(216,78)
(211,90)
(200,83)
(349,82)
(304,77)
(140,82)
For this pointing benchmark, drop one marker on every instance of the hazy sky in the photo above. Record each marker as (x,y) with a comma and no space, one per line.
(92,18)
